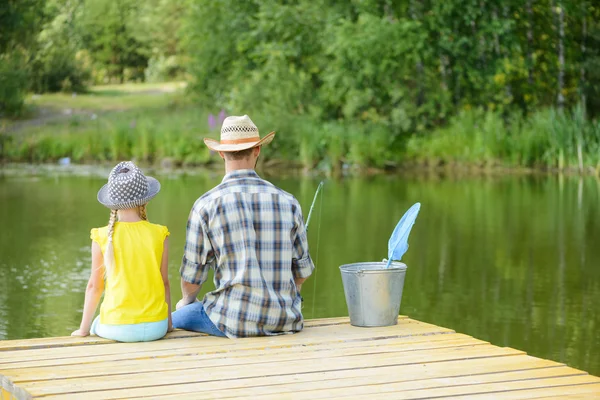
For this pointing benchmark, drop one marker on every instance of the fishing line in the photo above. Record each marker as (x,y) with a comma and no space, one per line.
(317,257)
(313,204)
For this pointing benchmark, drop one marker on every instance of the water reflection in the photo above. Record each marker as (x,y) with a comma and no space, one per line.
(511,260)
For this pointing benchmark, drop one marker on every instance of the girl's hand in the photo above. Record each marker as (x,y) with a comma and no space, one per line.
(80,332)
(170,329)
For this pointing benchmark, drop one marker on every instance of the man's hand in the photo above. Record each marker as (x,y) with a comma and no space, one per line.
(182,303)
(299,282)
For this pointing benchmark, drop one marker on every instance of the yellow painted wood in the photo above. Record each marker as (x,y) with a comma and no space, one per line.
(5,394)
(316,335)
(316,380)
(228,369)
(183,360)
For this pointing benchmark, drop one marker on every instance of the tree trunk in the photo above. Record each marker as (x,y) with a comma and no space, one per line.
(560,99)
(419,66)
(482,36)
(481,47)
(582,82)
(443,72)
(500,51)
(530,44)
(496,38)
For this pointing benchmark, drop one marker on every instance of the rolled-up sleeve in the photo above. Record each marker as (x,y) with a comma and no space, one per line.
(302,265)
(198,254)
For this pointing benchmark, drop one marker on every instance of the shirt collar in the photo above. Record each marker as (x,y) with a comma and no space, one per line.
(240,173)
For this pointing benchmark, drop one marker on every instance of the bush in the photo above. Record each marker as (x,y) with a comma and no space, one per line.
(13,84)
(57,65)
(162,69)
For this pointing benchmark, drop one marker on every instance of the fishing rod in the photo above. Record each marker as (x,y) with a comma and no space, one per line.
(313,203)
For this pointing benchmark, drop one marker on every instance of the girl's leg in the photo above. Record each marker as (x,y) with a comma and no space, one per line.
(155,330)
(94,325)
(142,332)
(120,333)
(193,318)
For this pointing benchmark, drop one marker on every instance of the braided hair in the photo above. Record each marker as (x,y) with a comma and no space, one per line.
(142,212)
(109,257)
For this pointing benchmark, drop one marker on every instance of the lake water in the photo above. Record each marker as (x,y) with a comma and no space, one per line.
(511,260)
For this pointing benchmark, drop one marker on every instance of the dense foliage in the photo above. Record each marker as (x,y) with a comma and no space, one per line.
(360,81)
(65,45)
(381,74)
(408,64)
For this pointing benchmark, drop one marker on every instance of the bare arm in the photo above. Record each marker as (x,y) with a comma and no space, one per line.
(189,292)
(164,271)
(93,291)
(299,282)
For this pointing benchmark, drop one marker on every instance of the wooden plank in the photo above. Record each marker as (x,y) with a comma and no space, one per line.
(329,359)
(576,393)
(176,361)
(388,383)
(309,323)
(568,391)
(582,392)
(222,369)
(316,380)
(193,348)
(316,335)
(67,341)
(491,390)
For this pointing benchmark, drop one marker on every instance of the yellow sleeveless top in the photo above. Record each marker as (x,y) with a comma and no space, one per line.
(134,291)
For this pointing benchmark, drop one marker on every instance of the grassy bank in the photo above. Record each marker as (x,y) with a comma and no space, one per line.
(544,140)
(158,125)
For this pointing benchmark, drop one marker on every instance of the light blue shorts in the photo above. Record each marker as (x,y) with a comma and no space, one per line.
(142,332)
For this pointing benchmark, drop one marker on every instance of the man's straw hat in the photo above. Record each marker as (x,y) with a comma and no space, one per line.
(238,133)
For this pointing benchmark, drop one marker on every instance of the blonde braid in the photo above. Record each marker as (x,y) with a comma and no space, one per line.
(142,212)
(109,256)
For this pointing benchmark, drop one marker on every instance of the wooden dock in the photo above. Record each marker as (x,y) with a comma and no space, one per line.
(329,359)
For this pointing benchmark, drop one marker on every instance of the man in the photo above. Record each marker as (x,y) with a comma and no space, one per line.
(253,235)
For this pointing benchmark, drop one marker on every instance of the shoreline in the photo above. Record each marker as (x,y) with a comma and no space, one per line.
(285,168)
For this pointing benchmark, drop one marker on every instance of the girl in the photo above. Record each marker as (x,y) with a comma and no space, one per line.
(129,259)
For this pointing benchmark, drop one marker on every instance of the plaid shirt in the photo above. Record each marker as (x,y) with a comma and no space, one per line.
(253,235)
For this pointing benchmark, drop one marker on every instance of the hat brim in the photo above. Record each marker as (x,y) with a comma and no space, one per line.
(215,145)
(153,189)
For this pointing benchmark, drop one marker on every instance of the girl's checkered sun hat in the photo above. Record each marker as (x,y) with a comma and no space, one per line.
(127,187)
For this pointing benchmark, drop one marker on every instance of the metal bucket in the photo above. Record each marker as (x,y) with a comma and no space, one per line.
(373,293)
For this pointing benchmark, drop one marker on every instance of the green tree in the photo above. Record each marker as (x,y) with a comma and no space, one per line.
(58,59)
(157,28)
(19,23)
(108,33)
